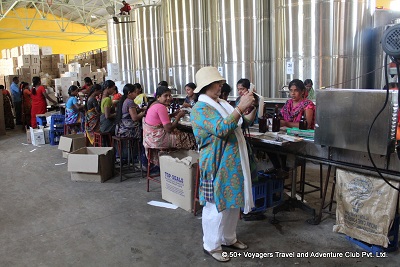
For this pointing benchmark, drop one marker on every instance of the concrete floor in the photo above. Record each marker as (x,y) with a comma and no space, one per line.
(48,220)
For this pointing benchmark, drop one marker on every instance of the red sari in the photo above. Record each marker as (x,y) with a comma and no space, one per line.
(39,105)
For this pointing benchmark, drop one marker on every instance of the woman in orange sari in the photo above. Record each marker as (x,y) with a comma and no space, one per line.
(26,104)
(92,115)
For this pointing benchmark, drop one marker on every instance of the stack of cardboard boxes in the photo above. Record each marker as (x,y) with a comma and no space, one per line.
(31,60)
(28,61)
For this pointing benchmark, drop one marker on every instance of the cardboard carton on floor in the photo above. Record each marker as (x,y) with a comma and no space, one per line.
(178,172)
(37,136)
(71,142)
(28,136)
(91,164)
(46,135)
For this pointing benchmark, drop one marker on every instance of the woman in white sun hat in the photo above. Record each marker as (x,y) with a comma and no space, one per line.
(225,181)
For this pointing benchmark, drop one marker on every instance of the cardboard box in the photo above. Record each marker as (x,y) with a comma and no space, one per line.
(91,164)
(46,135)
(24,61)
(37,136)
(45,58)
(5,53)
(58,58)
(15,52)
(46,50)
(35,60)
(28,136)
(34,70)
(24,71)
(45,65)
(178,173)
(31,49)
(53,97)
(14,62)
(8,80)
(71,142)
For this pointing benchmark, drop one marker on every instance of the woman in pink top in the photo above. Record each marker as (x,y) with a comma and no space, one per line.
(158,130)
(297,106)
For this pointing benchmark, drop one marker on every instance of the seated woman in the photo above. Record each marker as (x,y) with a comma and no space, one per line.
(107,118)
(310,93)
(116,97)
(141,100)
(292,112)
(92,116)
(129,115)
(252,113)
(225,91)
(191,97)
(296,106)
(158,131)
(74,110)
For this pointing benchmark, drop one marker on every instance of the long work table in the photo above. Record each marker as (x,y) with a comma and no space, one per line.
(301,151)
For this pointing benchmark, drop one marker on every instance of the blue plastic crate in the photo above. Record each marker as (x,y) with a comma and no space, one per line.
(57,123)
(260,196)
(393,236)
(274,188)
(55,137)
(275,192)
(41,120)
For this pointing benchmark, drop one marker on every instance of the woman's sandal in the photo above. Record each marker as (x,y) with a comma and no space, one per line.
(237,245)
(217,255)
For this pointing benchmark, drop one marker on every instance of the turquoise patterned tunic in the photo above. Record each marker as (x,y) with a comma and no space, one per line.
(221,175)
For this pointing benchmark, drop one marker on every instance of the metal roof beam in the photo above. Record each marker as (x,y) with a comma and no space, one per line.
(2,16)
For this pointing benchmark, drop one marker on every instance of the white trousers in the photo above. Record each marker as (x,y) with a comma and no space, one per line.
(219,228)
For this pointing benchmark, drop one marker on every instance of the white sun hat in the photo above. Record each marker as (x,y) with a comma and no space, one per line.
(206,76)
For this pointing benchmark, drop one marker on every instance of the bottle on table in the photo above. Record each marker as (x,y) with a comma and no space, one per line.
(276,122)
(263,123)
(303,122)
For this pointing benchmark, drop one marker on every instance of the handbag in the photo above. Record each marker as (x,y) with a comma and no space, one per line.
(252,158)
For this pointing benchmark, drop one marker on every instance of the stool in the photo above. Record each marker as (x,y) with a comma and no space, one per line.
(68,127)
(302,164)
(303,181)
(98,139)
(196,189)
(130,141)
(150,177)
(154,177)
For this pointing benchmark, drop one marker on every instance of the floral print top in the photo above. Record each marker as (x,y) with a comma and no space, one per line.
(221,175)
(293,114)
